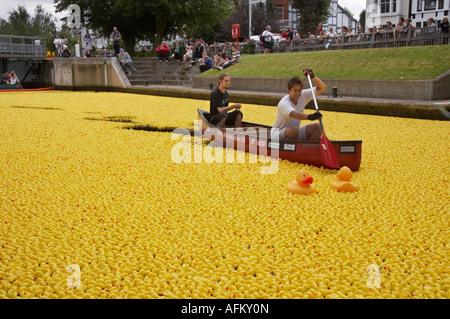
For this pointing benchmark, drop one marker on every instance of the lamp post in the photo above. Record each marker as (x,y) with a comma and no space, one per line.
(249,19)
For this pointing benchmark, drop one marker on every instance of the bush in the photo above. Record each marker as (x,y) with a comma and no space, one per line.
(249,47)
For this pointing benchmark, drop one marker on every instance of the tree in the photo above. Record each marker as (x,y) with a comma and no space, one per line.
(311,14)
(362,19)
(152,20)
(20,22)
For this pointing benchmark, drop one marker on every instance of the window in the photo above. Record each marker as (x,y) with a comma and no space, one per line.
(385,6)
(419,5)
(441,4)
(430,5)
(280,12)
(394,5)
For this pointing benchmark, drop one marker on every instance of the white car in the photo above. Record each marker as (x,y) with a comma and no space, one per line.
(276,38)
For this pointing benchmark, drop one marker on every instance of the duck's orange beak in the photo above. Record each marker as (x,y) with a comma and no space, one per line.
(307,180)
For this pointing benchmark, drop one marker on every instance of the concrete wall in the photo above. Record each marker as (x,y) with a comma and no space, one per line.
(421,90)
(88,74)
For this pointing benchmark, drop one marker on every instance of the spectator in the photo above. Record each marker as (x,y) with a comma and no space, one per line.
(163,52)
(177,52)
(290,36)
(126,61)
(206,63)
(409,27)
(220,58)
(115,35)
(319,28)
(13,78)
(389,26)
(321,37)
(235,58)
(400,29)
(284,37)
(198,51)
(6,78)
(296,37)
(443,26)
(88,44)
(65,51)
(189,53)
(331,36)
(344,31)
(431,26)
(267,39)
(58,45)
(37,46)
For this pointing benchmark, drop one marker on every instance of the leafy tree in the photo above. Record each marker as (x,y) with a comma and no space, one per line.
(362,19)
(20,22)
(152,20)
(311,14)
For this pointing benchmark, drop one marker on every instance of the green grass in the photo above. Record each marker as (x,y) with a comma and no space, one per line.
(409,63)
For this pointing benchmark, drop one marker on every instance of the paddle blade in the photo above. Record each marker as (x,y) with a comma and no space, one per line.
(329,155)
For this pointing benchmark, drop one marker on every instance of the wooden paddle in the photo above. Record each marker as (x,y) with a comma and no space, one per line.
(328,152)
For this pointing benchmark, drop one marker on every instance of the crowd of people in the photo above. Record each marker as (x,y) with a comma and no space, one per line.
(223,55)
(9,78)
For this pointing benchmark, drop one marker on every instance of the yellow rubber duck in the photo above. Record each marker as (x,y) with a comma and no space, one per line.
(301,184)
(343,183)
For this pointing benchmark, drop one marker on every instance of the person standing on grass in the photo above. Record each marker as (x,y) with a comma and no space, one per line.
(218,108)
(267,39)
(290,111)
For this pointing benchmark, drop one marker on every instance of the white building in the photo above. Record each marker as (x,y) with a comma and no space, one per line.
(339,18)
(378,12)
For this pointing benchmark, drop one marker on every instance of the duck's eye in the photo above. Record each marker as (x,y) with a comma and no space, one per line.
(303,175)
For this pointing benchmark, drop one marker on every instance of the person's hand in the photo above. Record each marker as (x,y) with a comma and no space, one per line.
(237,106)
(310,72)
(314,116)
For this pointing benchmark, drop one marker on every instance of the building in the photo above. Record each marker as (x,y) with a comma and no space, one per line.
(378,12)
(339,18)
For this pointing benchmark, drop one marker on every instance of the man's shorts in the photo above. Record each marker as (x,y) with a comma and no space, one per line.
(279,133)
(230,118)
(267,45)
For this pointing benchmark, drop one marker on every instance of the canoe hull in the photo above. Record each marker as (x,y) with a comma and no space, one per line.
(255,139)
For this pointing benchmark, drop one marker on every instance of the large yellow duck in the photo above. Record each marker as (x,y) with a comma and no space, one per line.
(343,183)
(301,184)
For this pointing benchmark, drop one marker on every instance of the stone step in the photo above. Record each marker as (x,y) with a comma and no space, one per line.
(161,82)
(163,77)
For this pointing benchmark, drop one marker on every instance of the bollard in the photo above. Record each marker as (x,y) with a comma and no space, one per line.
(335,92)
(77,50)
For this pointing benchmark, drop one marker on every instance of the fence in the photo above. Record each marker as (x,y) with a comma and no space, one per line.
(22,46)
(383,39)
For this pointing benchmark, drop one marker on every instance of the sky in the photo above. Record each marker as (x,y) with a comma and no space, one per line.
(355,6)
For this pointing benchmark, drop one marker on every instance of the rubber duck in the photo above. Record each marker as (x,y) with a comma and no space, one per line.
(301,184)
(343,184)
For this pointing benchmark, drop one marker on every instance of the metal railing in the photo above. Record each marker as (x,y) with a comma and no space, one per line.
(383,39)
(17,45)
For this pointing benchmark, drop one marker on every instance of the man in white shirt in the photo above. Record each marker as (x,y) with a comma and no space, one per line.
(291,112)
(58,45)
(267,39)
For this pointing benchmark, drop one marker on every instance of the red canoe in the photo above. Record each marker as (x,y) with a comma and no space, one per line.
(255,139)
(18,88)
